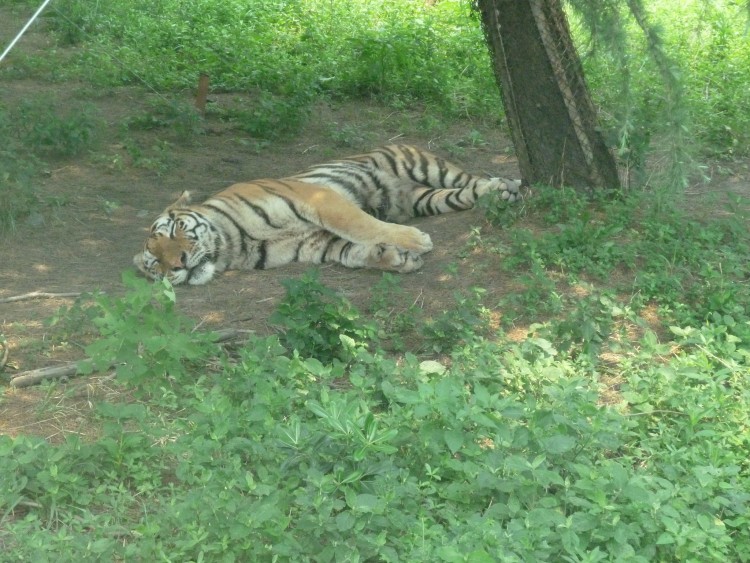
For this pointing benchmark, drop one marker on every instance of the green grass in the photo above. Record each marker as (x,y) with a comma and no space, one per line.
(601,436)
(407,52)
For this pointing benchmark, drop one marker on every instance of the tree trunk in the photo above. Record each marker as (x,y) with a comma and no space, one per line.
(551,116)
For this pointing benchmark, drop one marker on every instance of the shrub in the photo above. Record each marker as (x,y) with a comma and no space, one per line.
(317,322)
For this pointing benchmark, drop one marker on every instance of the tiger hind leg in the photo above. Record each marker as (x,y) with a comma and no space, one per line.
(435,201)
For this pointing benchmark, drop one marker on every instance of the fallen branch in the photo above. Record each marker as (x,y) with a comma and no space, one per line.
(35,376)
(4,356)
(37,295)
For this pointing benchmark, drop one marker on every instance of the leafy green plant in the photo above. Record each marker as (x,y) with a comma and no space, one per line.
(143,336)
(539,294)
(317,322)
(57,133)
(498,211)
(177,117)
(398,317)
(467,319)
(510,451)
(585,328)
(17,167)
(157,158)
(271,116)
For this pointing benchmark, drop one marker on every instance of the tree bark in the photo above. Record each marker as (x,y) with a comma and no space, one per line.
(551,116)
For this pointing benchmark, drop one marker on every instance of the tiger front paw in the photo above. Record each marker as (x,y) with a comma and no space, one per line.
(414,240)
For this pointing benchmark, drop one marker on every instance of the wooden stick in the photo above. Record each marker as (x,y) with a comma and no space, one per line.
(34,376)
(37,295)
(202,94)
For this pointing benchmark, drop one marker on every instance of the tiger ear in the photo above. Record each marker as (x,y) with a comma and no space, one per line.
(182,201)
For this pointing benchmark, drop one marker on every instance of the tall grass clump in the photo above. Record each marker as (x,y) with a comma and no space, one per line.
(17,167)
(670,77)
(34,131)
(399,51)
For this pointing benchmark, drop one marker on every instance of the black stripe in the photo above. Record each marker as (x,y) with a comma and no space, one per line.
(453,206)
(418,203)
(324,256)
(344,252)
(243,233)
(293,208)
(424,166)
(286,184)
(442,173)
(428,203)
(457,195)
(392,159)
(409,164)
(260,263)
(300,244)
(385,199)
(288,202)
(259,211)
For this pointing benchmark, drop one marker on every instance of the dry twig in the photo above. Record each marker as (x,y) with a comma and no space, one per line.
(38,295)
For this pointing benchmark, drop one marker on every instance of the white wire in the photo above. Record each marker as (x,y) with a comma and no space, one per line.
(20,33)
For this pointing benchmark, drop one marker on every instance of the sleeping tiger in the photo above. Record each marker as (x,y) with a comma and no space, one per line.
(344,211)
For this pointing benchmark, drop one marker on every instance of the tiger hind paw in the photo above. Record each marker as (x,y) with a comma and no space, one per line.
(392,258)
(510,190)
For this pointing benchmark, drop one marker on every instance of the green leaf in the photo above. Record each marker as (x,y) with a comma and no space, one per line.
(345,521)
(558,444)
(665,539)
(479,556)
(454,439)
(364,502)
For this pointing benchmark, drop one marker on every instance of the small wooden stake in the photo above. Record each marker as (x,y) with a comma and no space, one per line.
(202,94)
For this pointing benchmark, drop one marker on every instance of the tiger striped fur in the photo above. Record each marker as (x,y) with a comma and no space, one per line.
(344,211)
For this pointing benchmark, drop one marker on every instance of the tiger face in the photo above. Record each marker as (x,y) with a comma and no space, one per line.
(174,251)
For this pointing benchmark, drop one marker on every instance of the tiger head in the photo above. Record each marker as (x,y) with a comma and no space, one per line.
(176,248)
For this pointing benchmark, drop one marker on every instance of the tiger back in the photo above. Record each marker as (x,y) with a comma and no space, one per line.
(346,211)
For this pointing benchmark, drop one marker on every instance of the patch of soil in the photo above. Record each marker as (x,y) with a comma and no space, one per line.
(97,218)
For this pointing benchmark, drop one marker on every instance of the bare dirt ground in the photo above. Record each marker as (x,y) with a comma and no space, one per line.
(96,209)
(98,219)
